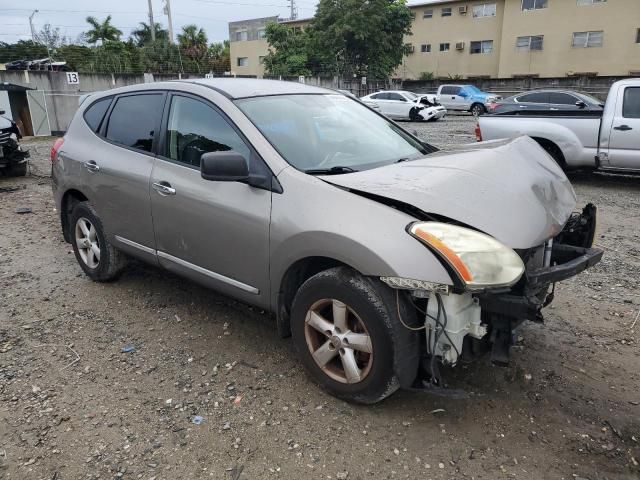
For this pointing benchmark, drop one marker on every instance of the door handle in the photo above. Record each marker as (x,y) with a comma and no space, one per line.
(164,188)
(92,166)
(624,128)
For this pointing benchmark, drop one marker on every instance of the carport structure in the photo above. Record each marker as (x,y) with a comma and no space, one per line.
(27,107)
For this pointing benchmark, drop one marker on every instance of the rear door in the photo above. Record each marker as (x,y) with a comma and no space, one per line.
(116,169)
(214,232)
(382,100)
(533,101)
(624,139)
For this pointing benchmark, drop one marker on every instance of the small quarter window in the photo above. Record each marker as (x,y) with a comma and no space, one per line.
(95,113)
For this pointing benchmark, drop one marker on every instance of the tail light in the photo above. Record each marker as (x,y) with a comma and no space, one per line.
(55,149)
(478,132)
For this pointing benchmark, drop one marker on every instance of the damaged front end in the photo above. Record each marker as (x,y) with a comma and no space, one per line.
(13,158)
(467,323)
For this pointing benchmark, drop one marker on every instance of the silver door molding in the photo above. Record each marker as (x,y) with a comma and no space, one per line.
(191,266)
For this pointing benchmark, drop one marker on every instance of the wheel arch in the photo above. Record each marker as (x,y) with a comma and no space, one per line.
(70,199)
(553,149)
(294,276)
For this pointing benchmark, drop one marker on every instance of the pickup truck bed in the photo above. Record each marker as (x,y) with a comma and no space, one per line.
(609,140)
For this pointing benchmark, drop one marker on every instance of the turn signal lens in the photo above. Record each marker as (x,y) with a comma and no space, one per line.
(479,260)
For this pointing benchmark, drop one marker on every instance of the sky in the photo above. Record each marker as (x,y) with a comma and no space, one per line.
(69,15)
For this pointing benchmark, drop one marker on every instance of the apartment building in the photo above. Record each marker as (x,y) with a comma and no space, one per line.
(495,38)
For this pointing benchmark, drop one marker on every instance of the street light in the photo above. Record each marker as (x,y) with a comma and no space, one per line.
(33,31)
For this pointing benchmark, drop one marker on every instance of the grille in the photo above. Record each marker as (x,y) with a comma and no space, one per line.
(4,136)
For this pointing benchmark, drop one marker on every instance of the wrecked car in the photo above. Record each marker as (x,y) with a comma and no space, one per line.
(380,255)
(13,158)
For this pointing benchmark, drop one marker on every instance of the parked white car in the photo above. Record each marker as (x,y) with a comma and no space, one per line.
(403,105)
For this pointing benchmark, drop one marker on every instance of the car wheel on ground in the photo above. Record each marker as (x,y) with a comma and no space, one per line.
(343,331)
(17,170)
(413,115)
(477,109)
(96,256)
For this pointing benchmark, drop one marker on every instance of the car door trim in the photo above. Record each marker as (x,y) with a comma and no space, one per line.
(131,243)
(191,266)
(209,273)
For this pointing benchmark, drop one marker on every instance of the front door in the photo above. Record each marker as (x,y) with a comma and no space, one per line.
(398,105)
(212,231)
(624,139)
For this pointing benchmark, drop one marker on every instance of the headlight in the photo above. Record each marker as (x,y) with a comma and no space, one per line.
(478,260)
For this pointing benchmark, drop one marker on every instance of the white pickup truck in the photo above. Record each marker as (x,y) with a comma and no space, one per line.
(608,140)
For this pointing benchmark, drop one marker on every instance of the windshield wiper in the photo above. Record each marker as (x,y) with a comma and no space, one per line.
(330,171)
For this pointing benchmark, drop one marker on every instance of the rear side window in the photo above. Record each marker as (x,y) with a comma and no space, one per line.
(133,120)
(95,113)
(562,98)
(195,128)
(396,96)
(534,98)
(631,103)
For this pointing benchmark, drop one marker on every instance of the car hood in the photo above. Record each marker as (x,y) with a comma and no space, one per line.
(5,123)
(510,189)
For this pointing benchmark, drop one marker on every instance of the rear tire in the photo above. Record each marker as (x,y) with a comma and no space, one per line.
(100,260)
(332,344)
(478,109)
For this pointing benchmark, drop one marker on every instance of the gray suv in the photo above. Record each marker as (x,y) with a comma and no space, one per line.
(382,256)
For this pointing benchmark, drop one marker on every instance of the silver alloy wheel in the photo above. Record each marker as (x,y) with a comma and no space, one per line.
(477,110)
(338,341)
(87,242)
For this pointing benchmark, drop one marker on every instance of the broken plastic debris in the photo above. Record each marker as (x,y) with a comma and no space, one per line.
(438,410)
(128,349)
(22,210)
(197,420)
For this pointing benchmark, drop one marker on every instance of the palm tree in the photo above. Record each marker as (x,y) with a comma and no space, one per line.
(193,40)
(142,36)
(102,32)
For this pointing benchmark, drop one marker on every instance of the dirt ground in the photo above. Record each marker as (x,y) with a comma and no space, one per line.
(105,380)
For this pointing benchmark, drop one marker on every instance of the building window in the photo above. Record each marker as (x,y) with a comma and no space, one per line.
(427,14)
(484,10)
(243,61)
(484,46)
(241,36)
(262,33)
(425,48)
(533,5)
(444,47)
(582,3)
(587,39)
(638,36)
(446,12)
(532,42)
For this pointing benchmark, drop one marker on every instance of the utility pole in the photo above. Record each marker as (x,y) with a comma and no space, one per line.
(294,9)
(33,30)
(167,11)
(151,24)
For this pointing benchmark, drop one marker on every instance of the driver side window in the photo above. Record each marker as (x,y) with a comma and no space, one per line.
(195,128)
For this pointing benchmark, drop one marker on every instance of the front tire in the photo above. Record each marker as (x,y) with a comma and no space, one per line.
(96,256)
(346,335)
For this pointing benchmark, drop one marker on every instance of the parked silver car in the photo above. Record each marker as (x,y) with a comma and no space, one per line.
(380,255)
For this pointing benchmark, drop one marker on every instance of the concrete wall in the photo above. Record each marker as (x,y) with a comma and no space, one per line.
(62,98)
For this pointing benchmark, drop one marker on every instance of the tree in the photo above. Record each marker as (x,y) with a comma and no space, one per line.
(220,57)
(21,50)
(51,37)
(193,46)
(102,32)
(142,35)
(288,51)
(359,37)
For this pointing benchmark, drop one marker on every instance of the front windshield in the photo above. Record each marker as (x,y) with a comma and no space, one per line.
(472,89)
(410,95)
(320,132)
(591,100)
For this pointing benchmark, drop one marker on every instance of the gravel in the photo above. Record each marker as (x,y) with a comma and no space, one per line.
(73,406)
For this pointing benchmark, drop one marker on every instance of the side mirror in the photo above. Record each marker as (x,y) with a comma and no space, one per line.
(581,104)
(227,166)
